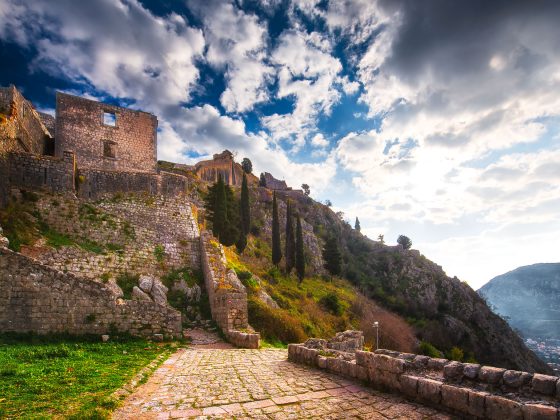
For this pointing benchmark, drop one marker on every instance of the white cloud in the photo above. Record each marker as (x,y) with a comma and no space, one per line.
(319,140)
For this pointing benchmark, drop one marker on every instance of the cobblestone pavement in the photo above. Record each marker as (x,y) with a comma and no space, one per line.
(257,384)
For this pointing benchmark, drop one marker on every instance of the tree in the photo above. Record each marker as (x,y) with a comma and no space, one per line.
(305,189)
(247,165)
(290,255)
(222,211)
(276,246)
(331,255)
(262,181)
(381,238)
(245,207)
(357,225)
(404,241)
(328,203)
(300,254)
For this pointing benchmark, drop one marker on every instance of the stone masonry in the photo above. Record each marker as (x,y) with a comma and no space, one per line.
(465,389)
(38,298)
(228,297)
(127,143)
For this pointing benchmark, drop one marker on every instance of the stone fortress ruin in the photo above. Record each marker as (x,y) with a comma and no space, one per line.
(99,161)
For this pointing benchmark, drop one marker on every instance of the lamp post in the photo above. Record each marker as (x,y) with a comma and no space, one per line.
(376,326)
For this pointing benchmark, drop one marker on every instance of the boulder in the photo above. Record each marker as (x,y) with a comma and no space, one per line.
(544,384)
(267,299)
(114,288)
(159,292)
(138,294)
(4,242)
(146,283)
(515,378)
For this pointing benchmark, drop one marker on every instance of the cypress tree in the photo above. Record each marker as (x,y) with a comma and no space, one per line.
(245,207)
(331,255)
(357,225)
(300,256)
(276,246)
(230,232)
(290,240)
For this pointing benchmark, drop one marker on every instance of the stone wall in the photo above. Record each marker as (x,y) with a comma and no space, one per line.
(125,229)
(221,164)
(228,297)
(129,145)
(466,389)
(21,126)
(44,173)
(95,183)
(38,298)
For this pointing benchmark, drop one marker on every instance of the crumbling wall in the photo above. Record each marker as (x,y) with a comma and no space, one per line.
(221,164)
(228,297)
(45,173)
(466,389)
(80,128)
(37,298)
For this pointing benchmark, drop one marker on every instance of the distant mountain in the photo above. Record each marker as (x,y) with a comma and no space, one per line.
(529,297)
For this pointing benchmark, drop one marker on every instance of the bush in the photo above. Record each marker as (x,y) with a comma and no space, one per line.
(126,282)
(456,354)
(275,324)
(332,303)
(428,349)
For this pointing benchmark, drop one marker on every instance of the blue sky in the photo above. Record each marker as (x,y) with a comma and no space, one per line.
(439,120)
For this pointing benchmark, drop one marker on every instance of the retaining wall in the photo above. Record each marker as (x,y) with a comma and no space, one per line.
(466,389)
(37,298)
(228,297)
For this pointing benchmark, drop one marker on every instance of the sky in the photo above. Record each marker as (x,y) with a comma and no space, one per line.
(438,119)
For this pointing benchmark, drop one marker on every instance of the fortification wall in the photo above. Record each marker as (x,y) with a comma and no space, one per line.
(228,297)
(44,173)
(119,235)
(38,298)
(127,145)
(96,183)
(466,389)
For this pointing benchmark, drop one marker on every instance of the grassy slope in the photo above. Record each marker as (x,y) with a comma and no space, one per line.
(65,378)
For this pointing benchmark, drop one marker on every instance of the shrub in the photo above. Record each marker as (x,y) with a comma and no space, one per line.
(429,349)
(159,252)
(456,354)
(332,303)
(275,324)
(126,282)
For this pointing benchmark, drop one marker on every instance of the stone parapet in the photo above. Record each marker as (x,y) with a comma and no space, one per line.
(465,389)
(37,298)
(227,295)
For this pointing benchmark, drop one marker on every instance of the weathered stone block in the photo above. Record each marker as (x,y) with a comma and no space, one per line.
(292,352)
(420,361)
(437,364)
(429,390)
(362,373)
(539,412)
(470,370)
(362,357)
(348,368)
(502,408)
(455,398)
(544,384)
(388,363)
(321,362)
(490,375)
(516,378)
(333,364)
(453,371)
(477,403)
(409,385)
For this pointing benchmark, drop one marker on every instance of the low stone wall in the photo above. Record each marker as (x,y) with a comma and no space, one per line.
(45,173)
(38,298)
(228,297)
(465,389)
(95,183)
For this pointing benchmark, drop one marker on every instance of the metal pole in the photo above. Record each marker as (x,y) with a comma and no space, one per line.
(377,339)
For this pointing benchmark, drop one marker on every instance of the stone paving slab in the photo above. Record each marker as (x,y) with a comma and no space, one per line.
(258,384)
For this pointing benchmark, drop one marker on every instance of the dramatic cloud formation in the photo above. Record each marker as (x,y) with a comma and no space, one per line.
(435,119)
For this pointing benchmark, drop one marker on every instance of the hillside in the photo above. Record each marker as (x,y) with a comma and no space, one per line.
(442,311)
(529,297)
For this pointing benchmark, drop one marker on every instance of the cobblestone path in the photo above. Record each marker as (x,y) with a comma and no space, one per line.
(257,384)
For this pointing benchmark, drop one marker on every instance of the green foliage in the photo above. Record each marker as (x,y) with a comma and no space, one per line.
(331,255)
(247,166)
(223,213)
(17,224)
(126,282)
(49,377)
(290,258)
(357,225)
(114,247)
(300,254)
(274,324)
(245,207)
(247,279)
(332,303)
(159,253)
(91,246)
(262,181)
(455,354)
(191,277)
(305,189)
(105,277)
(429,349)
(54,238)
(404,241)
(276,245)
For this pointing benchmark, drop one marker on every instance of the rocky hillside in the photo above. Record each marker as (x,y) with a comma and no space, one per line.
(529,297)
(444,313)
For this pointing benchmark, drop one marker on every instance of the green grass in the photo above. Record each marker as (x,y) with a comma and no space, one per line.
(67,377)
